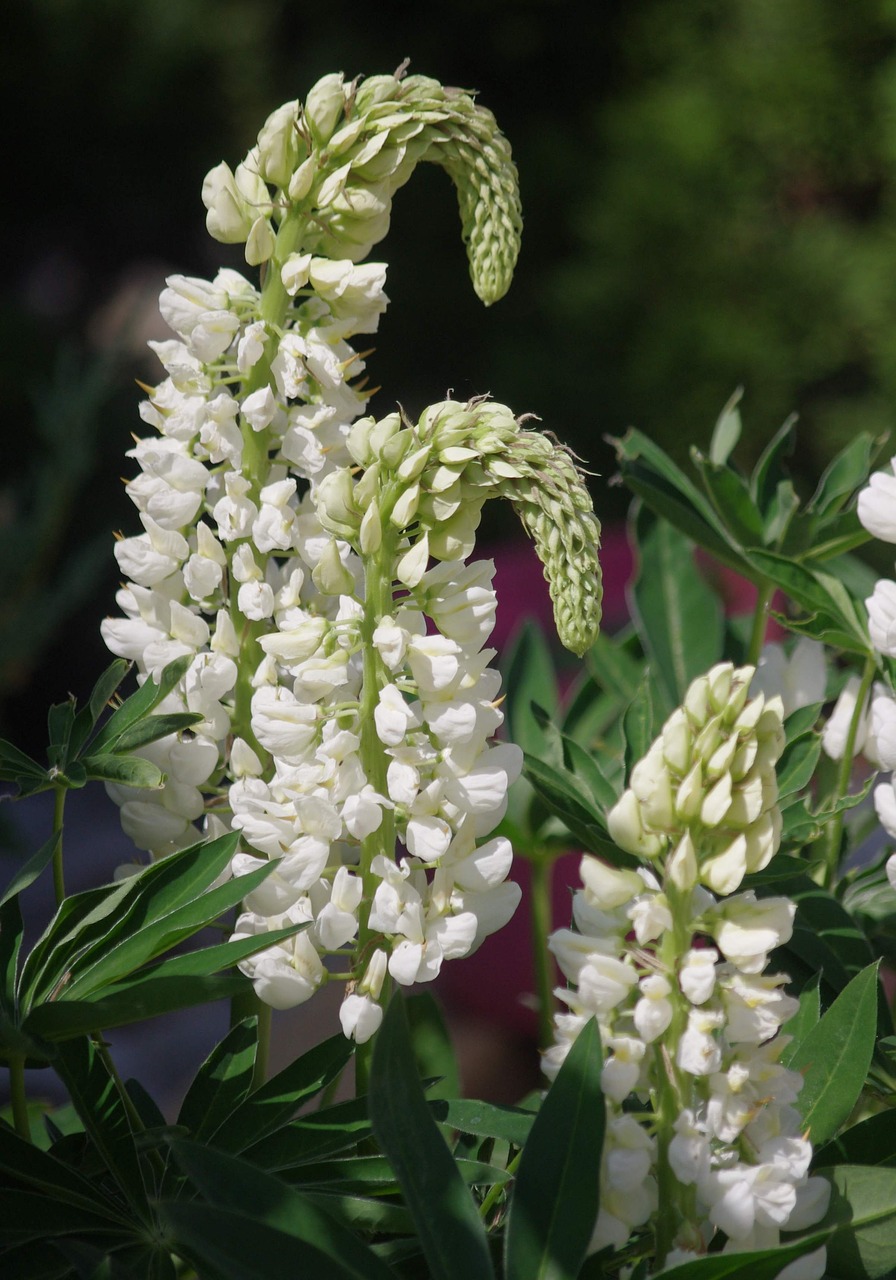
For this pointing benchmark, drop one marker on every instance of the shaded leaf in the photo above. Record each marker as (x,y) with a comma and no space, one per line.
(449,1228)
(555,1199)
(863,1210)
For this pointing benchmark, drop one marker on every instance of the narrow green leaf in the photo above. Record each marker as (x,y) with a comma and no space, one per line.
(729,494)
(555,1199)
(222,1082)
(770,471)
(151,728)
(563,794)
(844,474)
(105,687)
(28,873)
(25,1165)
(817,592)
(797,764)
(614,669)
(764,1264)
(586,767)
(277,1101)
(126,1003)
(803,1020)
(60,719)
(230,1246)
(15,765)
(138,705)
(678,616)
(529,678)
(485,1119)
(433,1050)
(637,726)
(235,1185)
(863,1211)
(12,929)
(450,1230)
(130,771)
(835,1056)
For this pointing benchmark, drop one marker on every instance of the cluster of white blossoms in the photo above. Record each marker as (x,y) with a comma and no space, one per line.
(314,572)
(702,1135)
(876,734)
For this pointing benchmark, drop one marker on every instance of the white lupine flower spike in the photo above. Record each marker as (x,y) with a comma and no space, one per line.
(692,1082)
(315,573)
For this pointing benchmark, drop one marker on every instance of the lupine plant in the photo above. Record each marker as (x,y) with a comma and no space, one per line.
(312,763)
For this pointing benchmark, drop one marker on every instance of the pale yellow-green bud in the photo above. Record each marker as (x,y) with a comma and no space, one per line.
(260,242)
(627,830)
(278,145)
(405,508)
(324,105)
(330,575)
(608,887)
(302,180)
(370,536)
(681,866)
(336,506)
(412,565)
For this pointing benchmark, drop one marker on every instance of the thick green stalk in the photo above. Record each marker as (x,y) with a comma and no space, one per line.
(541,866)
(378,570)
(58,875)
(834,833)
(18,1096)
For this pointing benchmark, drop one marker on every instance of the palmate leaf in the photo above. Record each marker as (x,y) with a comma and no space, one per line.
(222,1082)
(256,1199)
(138,705)
(89,924)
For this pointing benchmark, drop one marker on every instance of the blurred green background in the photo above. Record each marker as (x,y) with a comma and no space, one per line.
(709,201)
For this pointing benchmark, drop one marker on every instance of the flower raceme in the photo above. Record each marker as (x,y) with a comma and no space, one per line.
(702,1135)
(314,565)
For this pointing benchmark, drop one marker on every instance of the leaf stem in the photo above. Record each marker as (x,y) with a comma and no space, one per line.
(58,876)
(18,1096)
(133,1115)
(834,832)
(764,592)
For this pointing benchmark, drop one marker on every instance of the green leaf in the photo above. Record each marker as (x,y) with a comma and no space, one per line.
(844,474)
(679,618)
(222,1082)
(730,495)
(60,719)
(529,678)
(151,728)
(485,1119)
(727,431)
(764,1264)
(563,794)
(138,705)
(615,670)
(797,764)
(126,1003)
(12,929)
(769,471)
(105,687)
(825,937)
(231,1246)
(15,766)
(28,873)
(803,1020)
(130,771)
(449,1228)
(637,726)
(433,1051)
(555,1199)
(25,1165)
(241,1188)
(314,1136)
(95,1097)
(277,1101)
(820,594)
(835,1056)
(863,1211)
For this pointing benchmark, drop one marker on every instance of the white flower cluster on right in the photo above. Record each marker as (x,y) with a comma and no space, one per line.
(877,729)
(701,1131)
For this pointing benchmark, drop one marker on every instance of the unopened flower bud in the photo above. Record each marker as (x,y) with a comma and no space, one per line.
(330,575)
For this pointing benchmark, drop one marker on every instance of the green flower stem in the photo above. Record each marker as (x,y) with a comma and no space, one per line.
(498,1189)
(676,1202)
(18,1096)
(378,571)
(541,866)
(834,831)
(58,875)
(764,592)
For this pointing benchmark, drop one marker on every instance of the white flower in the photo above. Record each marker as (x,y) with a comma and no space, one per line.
(877,505)
(799,680)
(653,1012)
(697,975)
(747,929)
(286,974)
(881,606)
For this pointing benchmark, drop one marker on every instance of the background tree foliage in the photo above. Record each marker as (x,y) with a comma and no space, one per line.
(708,191)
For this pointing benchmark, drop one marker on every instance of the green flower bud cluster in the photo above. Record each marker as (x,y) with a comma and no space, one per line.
(431,480)
(706,796)
(336,161)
